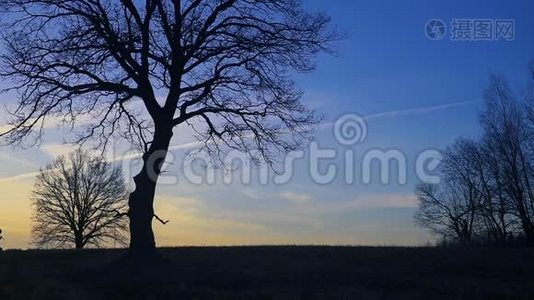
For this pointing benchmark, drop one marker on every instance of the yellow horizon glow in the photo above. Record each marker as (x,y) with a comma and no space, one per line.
(187,226)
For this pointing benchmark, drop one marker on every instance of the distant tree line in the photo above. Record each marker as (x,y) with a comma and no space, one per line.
(486,193)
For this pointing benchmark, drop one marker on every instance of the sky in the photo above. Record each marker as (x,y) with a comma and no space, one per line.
(413,95)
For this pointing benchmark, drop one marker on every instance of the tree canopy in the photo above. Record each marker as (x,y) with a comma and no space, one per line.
(79,201)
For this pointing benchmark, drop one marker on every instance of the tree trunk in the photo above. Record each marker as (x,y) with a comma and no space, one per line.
(141,200)
(78,241)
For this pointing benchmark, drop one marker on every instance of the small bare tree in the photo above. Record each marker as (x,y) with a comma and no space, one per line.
(78,202)
(450,207)
(1,238)
(444,211)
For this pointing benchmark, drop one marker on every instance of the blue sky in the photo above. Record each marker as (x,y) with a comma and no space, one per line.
(423,93)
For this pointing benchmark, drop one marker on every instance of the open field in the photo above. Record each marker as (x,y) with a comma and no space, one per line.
(273,273)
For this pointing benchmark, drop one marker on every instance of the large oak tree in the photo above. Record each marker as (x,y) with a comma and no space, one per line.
(140,68)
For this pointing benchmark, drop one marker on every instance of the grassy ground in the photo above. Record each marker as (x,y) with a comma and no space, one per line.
(273,273)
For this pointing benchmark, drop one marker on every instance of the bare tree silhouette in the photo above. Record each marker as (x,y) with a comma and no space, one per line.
(222,67)
(79,201)
(486,194)
(1,238)
(450,208)
(507,132)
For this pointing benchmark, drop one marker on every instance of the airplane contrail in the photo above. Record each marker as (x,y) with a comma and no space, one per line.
(419,110)
(408,111)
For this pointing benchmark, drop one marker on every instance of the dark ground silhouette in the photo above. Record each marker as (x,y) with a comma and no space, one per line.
(273,273)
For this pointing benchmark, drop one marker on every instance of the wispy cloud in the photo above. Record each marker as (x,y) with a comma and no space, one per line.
(54,150)
(136,154)
(383,201)
(16,160)
(19,177)
(296,197)
(249,193)
(361,203)
(50,122)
